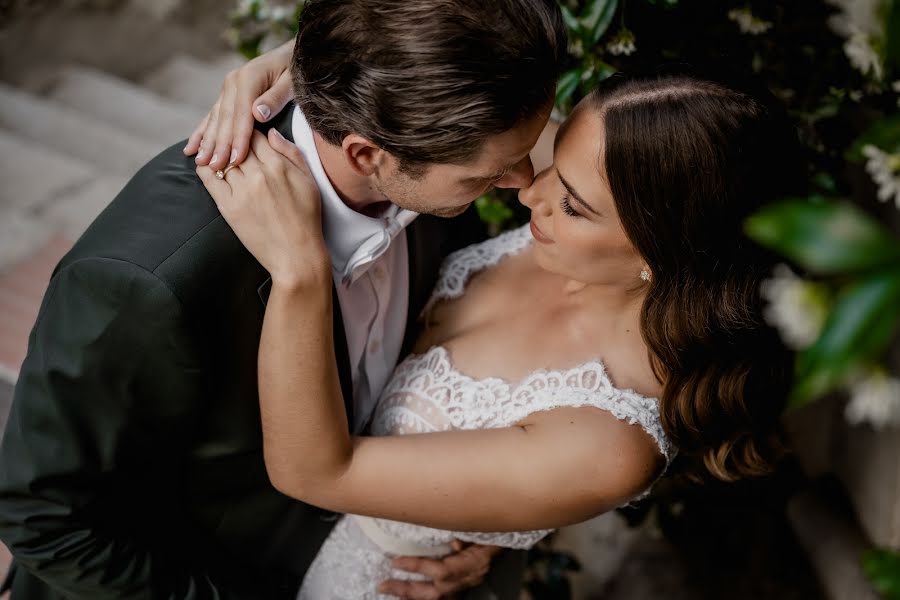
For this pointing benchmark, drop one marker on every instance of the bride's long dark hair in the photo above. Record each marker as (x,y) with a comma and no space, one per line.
(688,160)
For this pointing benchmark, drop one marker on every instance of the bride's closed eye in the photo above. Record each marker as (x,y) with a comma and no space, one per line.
(567,208)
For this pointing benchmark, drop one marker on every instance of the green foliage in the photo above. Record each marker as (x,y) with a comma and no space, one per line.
(862,322)
(882,567)
(825,237)
(884,133)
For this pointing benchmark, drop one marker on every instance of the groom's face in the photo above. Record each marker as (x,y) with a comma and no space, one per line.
(446,190)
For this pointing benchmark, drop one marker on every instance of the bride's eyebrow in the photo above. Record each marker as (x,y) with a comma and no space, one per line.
(575,194)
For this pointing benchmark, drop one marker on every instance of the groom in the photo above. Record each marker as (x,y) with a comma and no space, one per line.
(132,464)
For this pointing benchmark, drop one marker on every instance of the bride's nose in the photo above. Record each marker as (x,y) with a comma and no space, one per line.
(531,196)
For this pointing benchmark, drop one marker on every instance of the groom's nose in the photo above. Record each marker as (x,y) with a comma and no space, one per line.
(521,175)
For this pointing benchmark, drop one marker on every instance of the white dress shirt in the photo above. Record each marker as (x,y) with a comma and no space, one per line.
(371,273)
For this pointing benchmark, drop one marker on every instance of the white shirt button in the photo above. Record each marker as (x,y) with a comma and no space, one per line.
(378,273)
(374,347)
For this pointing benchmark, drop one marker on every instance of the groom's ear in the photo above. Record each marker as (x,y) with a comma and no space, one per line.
(364,157)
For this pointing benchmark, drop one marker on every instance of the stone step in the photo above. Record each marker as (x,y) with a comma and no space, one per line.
(124,105)
(833,545)
(72,133)
(32,175)
(71,214)
(21,234)
(191,81)
(22,288)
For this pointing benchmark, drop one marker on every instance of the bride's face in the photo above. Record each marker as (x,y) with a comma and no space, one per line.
(573,216)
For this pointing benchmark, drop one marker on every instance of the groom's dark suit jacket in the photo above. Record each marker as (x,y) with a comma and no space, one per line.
(132,462)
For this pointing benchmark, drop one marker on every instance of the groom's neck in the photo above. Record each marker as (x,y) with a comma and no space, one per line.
(355,190)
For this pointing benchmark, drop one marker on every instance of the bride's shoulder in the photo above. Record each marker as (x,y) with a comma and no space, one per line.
(459,266)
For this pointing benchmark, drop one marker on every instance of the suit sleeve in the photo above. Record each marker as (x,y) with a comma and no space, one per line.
(102,407)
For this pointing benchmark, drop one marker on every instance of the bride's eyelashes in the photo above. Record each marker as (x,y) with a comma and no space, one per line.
(567,208)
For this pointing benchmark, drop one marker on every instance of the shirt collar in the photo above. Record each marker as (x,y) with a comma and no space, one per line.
(345,229)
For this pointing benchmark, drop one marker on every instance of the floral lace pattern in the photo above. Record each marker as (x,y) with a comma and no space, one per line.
(462,264)
(426,393)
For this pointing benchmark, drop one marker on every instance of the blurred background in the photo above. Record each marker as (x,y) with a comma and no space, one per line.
(91,89)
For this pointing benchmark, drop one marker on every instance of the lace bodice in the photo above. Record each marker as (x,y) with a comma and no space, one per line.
(426,393)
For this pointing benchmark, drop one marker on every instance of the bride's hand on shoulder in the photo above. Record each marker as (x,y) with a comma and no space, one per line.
(257,90)
(272,203)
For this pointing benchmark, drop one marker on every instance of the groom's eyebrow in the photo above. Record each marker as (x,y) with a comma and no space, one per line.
(495,175)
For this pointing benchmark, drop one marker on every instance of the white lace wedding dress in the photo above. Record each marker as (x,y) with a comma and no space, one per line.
(426,393)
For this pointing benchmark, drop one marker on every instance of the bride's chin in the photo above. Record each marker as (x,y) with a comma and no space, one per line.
(544,262)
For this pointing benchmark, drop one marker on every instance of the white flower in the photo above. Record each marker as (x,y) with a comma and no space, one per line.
(280,13)
(796,307)
(245,7)
(863,56)
(747,22)
(862,23)
(622,43)
(884,168)
(576,48)
(874,400)
(857,16)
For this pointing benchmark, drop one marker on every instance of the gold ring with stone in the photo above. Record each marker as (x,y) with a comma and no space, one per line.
(220,174)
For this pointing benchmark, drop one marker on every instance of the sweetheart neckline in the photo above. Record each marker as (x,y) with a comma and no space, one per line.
(596,363)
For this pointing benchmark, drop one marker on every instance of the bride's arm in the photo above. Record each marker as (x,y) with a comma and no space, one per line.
(554,468)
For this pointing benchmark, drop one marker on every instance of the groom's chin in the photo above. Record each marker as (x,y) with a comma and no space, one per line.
(453,211)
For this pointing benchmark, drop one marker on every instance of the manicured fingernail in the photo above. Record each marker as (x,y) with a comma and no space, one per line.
(278,133)
(263,111)
(200,155)
(184,150)
(215,156)
(233,156)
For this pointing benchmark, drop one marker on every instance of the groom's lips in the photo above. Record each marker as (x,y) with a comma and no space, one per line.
(538,234)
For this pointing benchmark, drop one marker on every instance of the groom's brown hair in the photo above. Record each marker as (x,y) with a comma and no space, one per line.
(427,80)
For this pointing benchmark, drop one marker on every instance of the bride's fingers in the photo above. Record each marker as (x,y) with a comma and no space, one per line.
(228,112)
(274,148)
(208,143)
(276,98)
(289,149)
(193,143)
(219,189)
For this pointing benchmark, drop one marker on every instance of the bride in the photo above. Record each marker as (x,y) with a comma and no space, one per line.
(560,365)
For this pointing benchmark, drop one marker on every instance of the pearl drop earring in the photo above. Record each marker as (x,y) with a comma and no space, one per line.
(645,274)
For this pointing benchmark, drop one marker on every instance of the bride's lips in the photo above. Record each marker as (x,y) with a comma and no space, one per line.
(538,234)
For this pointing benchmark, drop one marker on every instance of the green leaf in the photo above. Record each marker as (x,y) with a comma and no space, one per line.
(567,85)
(861,325)
(825,238)
(882,567)
(249,48)
(597,16)
(571,21)
(492,211)
(884,133)
(825,182)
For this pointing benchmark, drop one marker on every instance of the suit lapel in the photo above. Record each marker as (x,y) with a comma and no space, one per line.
(425,239)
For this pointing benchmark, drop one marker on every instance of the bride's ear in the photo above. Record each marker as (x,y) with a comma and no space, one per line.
(364,157)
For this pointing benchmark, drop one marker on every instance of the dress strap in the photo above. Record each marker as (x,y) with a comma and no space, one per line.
(459,266)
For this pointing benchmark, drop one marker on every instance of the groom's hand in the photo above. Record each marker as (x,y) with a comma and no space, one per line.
(463,569)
